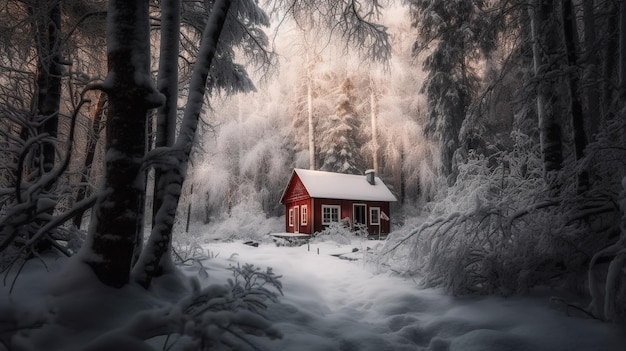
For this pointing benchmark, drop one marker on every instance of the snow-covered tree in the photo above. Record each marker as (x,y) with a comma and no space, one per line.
(247,159)
(351,25)
(118,219)
(341,142)
(311,100)
(545,35)
(449,34)
(549,237)
(43,98)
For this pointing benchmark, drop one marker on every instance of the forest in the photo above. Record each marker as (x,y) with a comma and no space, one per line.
(130,129)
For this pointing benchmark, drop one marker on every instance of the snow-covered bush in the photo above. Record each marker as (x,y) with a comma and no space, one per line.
(246,221)
(187,249)
(340,233)
(222,317)
(498,230)
(467,244)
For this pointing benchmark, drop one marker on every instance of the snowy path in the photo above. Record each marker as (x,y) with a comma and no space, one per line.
(332,304)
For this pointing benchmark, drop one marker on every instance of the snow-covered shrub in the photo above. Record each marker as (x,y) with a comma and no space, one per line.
(188,248)
(499,230)
(495,230)
(222,317)
(340,233)
(246,221)
(467,243)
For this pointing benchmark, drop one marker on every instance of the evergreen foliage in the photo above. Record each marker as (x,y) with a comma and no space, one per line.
(340,142)
(450,35)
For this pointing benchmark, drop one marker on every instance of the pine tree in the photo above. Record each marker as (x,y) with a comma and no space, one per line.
(453,28)
(340,144)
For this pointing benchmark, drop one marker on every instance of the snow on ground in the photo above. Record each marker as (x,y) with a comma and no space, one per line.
(335,304)
(328,304)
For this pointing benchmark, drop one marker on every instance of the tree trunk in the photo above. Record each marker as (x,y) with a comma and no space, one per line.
(576,108)
(151,260)
(49,80)
(622,62)
(118,219)
(309,109)
(48,45)
(622,48)
(595,116)
(374,120)
(402,176)
(545,31)
(167,84)
(83,190)
(609,66)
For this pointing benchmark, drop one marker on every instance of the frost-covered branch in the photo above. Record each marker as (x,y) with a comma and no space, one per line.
(353,21)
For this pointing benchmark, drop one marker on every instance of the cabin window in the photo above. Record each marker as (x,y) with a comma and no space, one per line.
(375,215)
(359,214)
(330,213)
(291,217)
(303,215)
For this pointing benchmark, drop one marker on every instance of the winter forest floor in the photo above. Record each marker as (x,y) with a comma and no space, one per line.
(328,304)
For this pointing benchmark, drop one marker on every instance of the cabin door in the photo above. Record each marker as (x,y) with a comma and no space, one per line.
(296,220)
(358,214)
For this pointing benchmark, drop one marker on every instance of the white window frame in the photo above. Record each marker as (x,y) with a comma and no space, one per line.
(374,220)
(291,217)
(304,212)
(331,208)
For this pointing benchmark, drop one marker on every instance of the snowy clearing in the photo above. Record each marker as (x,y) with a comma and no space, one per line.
(335,304)
(328,304)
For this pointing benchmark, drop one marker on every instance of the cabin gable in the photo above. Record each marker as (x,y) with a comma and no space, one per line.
(298,216)
(296,191)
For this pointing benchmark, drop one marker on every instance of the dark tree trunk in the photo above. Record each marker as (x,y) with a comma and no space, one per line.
(167,84)
(83,190)
(609,63)
(50,93)
(622,49)
(595,114)
(118,220)
(578,123)
(546,50)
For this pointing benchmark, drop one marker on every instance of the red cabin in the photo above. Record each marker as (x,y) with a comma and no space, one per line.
(315,199)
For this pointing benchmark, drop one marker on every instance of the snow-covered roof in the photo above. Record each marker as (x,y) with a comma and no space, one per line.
(329,185)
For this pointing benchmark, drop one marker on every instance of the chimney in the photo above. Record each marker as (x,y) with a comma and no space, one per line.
(369,175)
